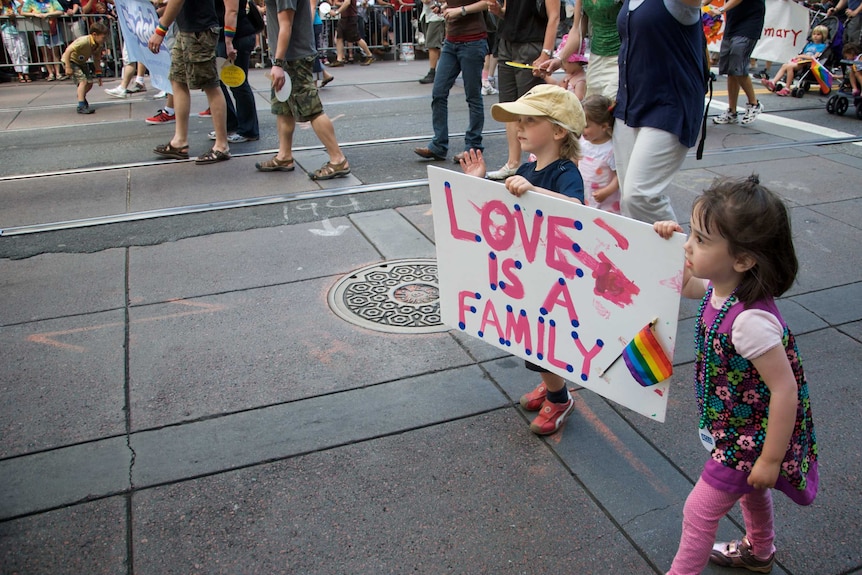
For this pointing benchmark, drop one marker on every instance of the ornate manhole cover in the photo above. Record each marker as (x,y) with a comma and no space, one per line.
(399,296)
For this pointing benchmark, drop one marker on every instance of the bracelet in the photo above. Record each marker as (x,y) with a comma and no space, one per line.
(161,30)
(229,32)
(547,52)
(463,11)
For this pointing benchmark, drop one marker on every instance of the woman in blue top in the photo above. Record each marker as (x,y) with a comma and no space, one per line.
(813,49)
(660,100)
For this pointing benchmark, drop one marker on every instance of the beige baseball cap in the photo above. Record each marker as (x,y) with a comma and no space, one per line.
(558,104)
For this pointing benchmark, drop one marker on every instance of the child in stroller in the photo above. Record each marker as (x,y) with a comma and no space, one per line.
(814,49)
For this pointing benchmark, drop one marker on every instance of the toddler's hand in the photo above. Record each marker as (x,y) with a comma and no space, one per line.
(473,164)
(666,228)
(517,185)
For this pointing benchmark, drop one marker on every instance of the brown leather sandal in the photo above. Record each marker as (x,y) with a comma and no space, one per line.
(276,165)
(330,170)
(168,151)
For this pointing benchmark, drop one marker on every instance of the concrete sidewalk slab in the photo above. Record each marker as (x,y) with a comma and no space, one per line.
(74,393)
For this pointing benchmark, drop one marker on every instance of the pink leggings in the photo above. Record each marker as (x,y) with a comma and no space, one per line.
(704,508)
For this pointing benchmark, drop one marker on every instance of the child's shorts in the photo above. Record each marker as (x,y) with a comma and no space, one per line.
(81,75)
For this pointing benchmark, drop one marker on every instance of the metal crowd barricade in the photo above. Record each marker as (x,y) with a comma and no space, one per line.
(37,31)
(401,25)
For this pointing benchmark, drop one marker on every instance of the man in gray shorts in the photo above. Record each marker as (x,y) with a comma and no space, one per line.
(742,29)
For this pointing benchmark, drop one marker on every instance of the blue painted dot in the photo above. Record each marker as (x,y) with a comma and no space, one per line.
(481,334)
(574,335)
(517,207)
(462,325)
(569,368)
(502,341)
(492,256)
(502,285)
(541,320)
(543,311)
(578,225)
(519,265)
(477,295)
(528,351)
(478,239)
(540,356)
(509,308)
(539,213)
(584,377)
(509,343)
(553,323)
(523,313)
(600,343)
(561,281)
(576,248)
(493,287)
(472,309)
(579,272)
(575,323)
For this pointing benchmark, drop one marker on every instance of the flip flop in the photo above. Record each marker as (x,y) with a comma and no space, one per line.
(168,151)
(212,157)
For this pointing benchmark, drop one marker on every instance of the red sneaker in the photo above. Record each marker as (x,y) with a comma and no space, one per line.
(552,417)
(162,118)
(205,114)
(533,401)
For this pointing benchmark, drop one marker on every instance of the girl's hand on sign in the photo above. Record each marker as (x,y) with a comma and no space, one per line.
(666,229)
(518,185)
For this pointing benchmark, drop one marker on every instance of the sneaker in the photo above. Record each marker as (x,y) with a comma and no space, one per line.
(117,92)
(533,401)
(728,117)
(488,89)
(751,112)
(162,117)
(552,416)
(738,554)
(502,173)
(205,114)
(233,138)
(138,87)
(160,95)
(85,110)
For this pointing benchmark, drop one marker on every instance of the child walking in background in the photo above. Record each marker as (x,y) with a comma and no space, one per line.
(75,62)
(813,49)
(755,413)
(597,163)
(575,80)
(550,120)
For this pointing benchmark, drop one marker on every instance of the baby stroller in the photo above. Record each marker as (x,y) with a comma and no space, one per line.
(820,70)
(841,101)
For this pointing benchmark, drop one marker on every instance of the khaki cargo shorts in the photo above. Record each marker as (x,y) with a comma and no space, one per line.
(193,59)
(304,102)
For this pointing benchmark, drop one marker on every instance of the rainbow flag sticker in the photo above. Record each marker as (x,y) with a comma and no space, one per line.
(646,359)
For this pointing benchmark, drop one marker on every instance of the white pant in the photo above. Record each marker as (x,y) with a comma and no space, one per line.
(647,160)
(16,47)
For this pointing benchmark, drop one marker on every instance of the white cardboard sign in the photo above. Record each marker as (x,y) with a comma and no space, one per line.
(554,282)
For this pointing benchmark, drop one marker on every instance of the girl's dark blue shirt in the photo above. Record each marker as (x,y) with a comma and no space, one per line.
(561,176)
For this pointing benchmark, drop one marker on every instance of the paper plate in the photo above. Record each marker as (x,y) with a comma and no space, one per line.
(519,65)
(324,8)
(220,62)
(283,94)
(232,75)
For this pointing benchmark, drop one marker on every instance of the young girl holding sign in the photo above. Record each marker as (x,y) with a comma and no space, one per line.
(550,121)
(755,413)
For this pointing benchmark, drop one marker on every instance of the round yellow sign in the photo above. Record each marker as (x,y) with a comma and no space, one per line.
(232,75)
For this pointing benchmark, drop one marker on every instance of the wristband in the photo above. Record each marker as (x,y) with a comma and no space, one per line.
(161,30)
(229,32)
(280,62)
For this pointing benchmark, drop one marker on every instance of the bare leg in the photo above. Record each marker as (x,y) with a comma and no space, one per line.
(218,109)
(182,108)
(325,131)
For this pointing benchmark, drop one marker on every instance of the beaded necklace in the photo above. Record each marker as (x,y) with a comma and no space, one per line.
(705,350)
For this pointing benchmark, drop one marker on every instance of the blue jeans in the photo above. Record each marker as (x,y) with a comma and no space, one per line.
(466,58)
(241,118)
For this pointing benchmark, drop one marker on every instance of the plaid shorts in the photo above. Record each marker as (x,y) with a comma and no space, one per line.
(304,102)
(193,59)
